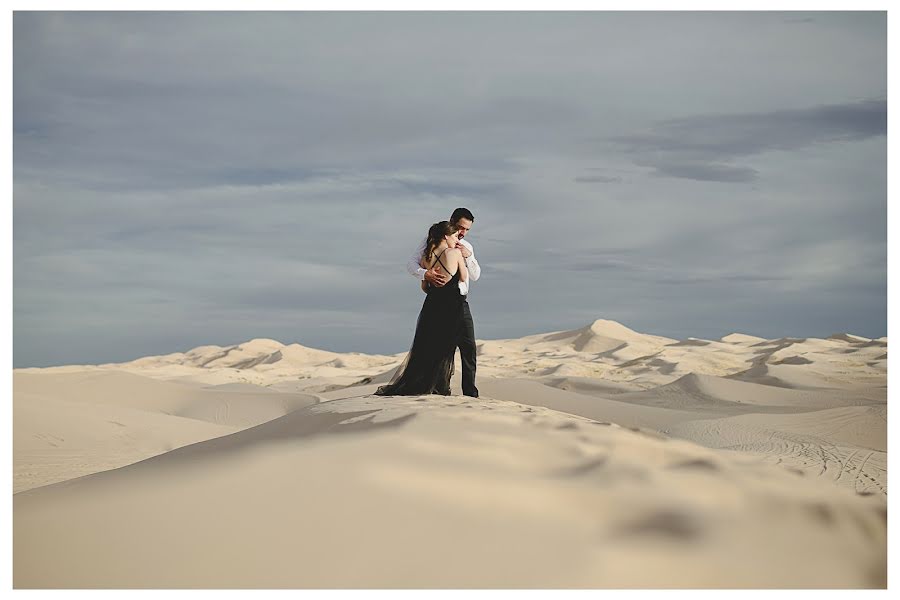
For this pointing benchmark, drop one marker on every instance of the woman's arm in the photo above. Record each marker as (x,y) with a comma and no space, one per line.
(424,283)
(463,271)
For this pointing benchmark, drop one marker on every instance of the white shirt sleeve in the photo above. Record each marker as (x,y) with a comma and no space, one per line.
(413,264)
(471,263)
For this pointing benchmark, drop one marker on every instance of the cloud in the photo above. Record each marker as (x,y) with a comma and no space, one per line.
(597,179)
(708,172)
(695,147)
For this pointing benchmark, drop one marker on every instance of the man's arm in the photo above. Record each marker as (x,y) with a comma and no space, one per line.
(413,266)
(415,269)
(463,276)
(471,263)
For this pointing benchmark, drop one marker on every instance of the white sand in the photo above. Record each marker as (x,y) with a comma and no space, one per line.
(599,457)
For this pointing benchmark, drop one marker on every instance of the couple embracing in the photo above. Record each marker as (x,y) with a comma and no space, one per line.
(446,265)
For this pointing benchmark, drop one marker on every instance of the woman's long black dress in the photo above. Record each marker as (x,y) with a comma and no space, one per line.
(429,364)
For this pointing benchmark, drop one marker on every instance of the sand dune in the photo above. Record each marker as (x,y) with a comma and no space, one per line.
(74,423)
(445,492)
(742,338)
(224,407)
(847,446)
(860,426)
(55,440)
(624,356)
(734,395)
(636,460)
(260,362)
(589,385)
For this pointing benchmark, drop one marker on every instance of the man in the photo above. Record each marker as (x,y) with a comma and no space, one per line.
(465,338)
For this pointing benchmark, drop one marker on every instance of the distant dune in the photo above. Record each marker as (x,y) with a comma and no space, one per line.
(598,457)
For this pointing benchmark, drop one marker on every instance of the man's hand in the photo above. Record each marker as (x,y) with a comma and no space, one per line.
(463,249)
(436,278)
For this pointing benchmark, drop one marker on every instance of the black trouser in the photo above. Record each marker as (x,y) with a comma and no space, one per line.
(465,340)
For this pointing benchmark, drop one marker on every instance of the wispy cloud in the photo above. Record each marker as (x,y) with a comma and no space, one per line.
(698,147)
(597,179)
(707,172)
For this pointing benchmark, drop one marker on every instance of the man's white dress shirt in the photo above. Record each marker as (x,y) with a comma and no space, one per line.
(471,264)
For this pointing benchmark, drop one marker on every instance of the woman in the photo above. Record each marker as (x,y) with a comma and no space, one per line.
(429,364)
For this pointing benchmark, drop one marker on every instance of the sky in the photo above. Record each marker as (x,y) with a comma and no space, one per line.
(194,178)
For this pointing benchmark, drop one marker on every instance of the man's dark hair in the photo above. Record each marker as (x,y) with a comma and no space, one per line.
(461,213)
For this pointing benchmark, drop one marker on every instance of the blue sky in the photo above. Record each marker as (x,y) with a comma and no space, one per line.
(183,179)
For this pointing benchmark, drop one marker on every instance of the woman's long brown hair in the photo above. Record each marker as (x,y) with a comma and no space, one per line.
(436,233)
